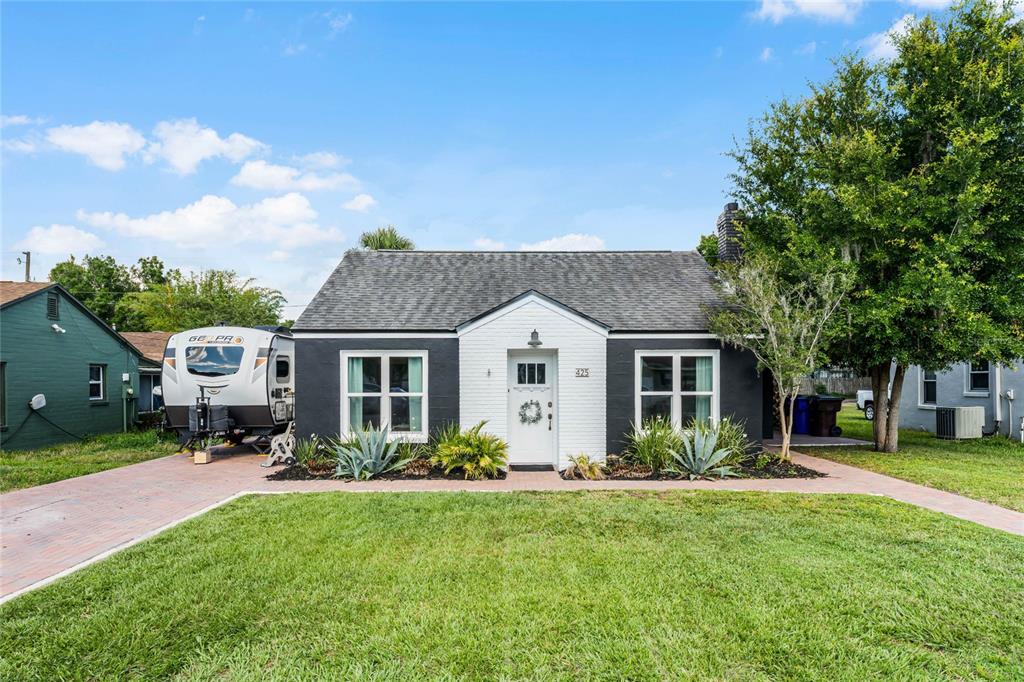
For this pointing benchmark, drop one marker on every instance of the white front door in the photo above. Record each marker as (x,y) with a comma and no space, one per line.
(532,408)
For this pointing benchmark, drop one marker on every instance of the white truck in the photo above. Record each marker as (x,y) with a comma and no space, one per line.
(866,403)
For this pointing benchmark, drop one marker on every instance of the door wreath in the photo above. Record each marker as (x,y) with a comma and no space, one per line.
(530,412)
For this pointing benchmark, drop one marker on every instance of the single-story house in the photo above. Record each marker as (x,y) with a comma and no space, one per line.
(152,345)
(51,344)
(559,352)
(996,387)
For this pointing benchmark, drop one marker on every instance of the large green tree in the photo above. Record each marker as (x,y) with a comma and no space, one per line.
(201,300)
(99,282)
(911,172)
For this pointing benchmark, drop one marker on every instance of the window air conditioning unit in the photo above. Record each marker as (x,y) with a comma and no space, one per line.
(957,423)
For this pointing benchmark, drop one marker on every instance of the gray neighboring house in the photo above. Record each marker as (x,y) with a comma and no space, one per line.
(560,352)
(981,383)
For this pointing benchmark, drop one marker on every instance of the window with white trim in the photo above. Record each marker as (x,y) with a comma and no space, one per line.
(977,376)
(97,383)
(388,388)
(677,386)
(929,387)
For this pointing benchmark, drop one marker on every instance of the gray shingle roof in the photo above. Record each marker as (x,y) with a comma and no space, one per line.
(439,290)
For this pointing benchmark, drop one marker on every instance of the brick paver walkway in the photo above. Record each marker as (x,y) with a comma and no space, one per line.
(53,529)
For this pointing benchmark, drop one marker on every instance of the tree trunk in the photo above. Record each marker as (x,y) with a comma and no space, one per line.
(880,394)
(786,424)
(892,426)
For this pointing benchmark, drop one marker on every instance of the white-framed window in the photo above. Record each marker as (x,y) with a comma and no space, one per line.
(97,382)
(928,391)
(977,377)
(677,385)
(385,388)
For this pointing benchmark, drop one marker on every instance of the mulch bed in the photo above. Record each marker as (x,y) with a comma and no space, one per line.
(619,470)
(415,471)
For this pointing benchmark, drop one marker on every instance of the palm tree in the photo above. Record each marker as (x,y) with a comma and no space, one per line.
(386,237)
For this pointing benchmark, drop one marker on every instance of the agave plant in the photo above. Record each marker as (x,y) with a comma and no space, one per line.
(368,455)
(701,457)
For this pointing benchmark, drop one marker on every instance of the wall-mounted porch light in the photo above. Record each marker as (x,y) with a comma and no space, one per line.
(534,339)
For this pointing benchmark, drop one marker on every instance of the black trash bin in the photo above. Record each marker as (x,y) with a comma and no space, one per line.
(824,409)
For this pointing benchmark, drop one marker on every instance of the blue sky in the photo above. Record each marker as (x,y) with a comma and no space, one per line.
(265,137)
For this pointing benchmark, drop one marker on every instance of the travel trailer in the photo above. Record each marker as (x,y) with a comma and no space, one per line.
(229,381)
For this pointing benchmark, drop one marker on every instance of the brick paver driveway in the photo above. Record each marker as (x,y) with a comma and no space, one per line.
(53,529)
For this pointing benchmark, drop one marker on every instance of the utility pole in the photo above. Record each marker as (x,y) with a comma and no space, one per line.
(28,265)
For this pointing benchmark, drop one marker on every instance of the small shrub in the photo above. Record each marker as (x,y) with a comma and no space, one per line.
(479,455)
(312,455)
(368,455)
(764,458)
(582,466)
(653,444)
(701,457)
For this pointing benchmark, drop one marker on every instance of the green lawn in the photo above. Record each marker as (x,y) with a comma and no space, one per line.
(990,469)
(25,468)
(540,586)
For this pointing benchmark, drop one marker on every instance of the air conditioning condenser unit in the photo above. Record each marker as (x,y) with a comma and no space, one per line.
(958,423)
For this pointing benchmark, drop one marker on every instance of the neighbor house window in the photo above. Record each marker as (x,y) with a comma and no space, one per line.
(929,388)
(97,382)
(3,394)
(53,305)
(977,377)
(148,402)
(677,386)
(387,389)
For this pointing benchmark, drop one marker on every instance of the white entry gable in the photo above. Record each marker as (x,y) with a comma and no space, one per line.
(530,298)
(576,347)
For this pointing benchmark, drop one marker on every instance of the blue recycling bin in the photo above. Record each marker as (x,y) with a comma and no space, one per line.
(802,415)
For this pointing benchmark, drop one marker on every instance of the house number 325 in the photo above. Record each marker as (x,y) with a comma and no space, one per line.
(583,371)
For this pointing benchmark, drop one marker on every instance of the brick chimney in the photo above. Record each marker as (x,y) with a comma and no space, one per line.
(728,233)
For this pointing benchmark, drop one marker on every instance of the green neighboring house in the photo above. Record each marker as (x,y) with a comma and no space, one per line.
(51,344)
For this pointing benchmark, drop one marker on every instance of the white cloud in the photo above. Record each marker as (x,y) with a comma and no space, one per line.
(488,244)
(321,160)
(767,54)
(776,11)
(879,46)
(184,144)
(337,22)
(293,49)
(59,240)
(568,242)
(269,176)
(22,145)
(360,202)
(18,120)
(213,222)
(808,49)
(278,256)
(105,143)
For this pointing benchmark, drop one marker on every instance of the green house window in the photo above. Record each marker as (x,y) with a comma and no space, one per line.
(97,382)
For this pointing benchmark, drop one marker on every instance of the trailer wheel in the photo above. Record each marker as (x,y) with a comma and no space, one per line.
(869,411)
